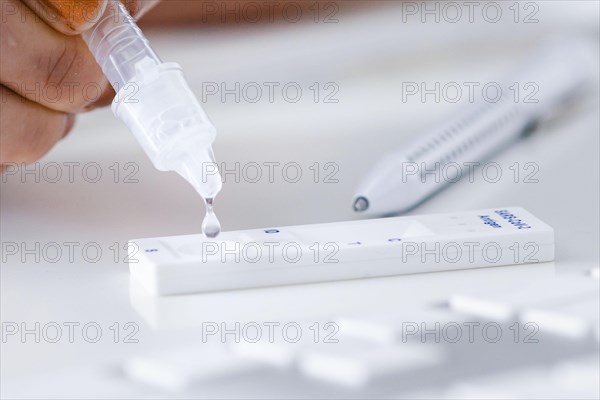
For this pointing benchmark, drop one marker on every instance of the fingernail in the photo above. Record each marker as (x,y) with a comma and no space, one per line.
(77,14)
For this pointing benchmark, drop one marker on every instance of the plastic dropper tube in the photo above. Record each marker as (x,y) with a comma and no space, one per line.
(155,101)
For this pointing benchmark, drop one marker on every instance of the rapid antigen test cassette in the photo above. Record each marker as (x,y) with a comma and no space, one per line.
(338,251)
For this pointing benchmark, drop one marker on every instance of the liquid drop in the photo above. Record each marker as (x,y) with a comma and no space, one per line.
(210,226)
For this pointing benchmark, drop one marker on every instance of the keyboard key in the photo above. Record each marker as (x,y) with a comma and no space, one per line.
(398,327)
(504,303)
(277,354)
(580,376)
(575,320)
(179,369)
(354,367)
(569,380)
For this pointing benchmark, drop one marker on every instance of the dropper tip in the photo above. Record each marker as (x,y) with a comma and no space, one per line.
(360,204)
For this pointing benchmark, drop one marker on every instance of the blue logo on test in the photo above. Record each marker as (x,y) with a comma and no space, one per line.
(271,230)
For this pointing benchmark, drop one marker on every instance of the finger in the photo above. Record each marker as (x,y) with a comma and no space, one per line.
(45,66)
(106,98)
(72,17)
(27,129)
(68,16)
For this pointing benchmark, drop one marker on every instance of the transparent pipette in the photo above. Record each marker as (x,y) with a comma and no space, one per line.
(155,101)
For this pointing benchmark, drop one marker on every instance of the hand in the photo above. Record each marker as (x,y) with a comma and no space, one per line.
(47,74)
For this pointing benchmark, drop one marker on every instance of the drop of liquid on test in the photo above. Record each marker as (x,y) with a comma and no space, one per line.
(210,226)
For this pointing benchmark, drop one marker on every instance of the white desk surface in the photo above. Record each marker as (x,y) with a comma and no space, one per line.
(368,120)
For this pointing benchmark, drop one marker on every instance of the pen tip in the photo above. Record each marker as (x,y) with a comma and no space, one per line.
(360,204)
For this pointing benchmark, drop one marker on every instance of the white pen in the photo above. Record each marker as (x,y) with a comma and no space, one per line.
(558,70)
(157,105)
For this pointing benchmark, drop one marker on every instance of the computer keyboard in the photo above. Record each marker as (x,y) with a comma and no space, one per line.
(537,339)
